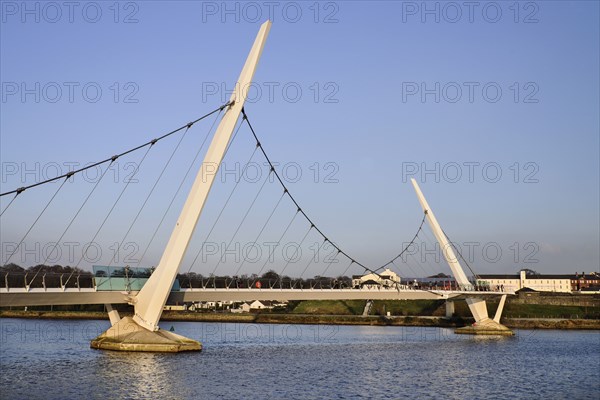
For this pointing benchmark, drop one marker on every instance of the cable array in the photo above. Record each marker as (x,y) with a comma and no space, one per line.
(272,172)
(149,145)
(300,210)
(114,158)
(313,225)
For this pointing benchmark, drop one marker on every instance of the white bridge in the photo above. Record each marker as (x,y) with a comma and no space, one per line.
(19,297)
(142,333)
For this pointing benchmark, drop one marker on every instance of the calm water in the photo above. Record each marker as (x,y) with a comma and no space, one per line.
(52,359)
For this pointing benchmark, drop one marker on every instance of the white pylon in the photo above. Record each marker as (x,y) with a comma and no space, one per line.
(476,305)
(150,301)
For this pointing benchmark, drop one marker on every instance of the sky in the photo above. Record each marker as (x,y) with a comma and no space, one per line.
(493,107)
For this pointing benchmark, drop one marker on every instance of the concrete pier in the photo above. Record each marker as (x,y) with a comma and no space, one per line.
(485,327)
(450,309)
(127,335)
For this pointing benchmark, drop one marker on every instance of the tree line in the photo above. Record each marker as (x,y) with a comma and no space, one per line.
(45,275)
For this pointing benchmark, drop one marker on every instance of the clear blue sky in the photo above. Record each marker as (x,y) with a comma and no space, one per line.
(387,91)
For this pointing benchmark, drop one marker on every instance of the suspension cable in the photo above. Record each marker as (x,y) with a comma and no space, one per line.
(296,252)
(114,205)
(148,195)
(75,217)
(224,205)
(242,221)
(311,259)
(261,231)
(179,188)
(245,118)
(331,262)
(37,219)
(460,255)
(348,267)
(272,251)
(407,246)
(433,241)
(11,201)
(113,158)
(409,267)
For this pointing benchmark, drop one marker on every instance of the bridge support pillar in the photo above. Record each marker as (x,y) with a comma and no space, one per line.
(127,335)
(449,309)
(500,309)
(142,333)
(483,324)
(113,314)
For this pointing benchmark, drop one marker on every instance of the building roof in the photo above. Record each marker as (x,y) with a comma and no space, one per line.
(538,276)
(268,303)
(370,282)
(526,289)
(385,274)
(440,275)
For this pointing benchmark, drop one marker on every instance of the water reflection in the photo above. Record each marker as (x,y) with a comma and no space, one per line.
(141,375)
(301,362)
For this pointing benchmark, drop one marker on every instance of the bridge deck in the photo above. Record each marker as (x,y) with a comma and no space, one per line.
(21,297)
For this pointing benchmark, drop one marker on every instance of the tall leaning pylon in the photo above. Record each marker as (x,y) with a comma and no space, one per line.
(483,325)
(141,333)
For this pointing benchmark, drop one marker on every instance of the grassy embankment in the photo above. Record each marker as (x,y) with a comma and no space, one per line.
(436,308)
(403,312)
(349,312)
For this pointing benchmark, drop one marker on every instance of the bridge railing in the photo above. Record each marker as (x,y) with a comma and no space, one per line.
(86,280)
(46,280)
(199,282)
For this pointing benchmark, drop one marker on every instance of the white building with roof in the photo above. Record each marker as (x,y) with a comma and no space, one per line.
(387,279)
(526,279)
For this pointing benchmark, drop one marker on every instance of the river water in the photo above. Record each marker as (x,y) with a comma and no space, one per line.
(43,359)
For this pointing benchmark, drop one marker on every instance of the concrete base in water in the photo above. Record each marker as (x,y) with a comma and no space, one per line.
(127,335)
(486,327)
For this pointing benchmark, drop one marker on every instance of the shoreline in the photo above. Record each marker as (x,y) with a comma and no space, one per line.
(314,319)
